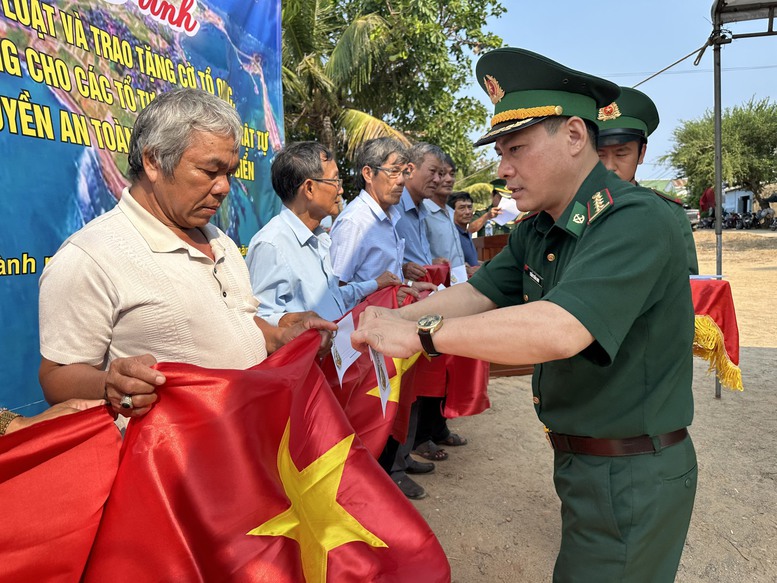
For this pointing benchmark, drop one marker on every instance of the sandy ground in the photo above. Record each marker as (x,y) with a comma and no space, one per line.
(492,503)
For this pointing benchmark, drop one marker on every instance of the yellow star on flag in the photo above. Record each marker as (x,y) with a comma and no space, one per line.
(401,365)
(315,519)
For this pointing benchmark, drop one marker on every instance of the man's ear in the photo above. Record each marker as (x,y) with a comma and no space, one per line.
(368,174)
(151,167)
(577,135)
(642,154)
(410,169)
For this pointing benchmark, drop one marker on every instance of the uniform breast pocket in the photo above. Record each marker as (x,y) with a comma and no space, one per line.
(532,284)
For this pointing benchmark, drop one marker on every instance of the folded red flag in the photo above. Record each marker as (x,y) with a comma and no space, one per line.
(256,476)
(54,479)
(359,395)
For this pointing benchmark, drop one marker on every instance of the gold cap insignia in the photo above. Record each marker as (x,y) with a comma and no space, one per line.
(609,112)
(494,89)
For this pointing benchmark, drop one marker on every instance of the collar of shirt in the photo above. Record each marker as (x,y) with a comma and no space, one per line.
(302,233)
(578,204)
(408,206)
(393,214)
(160,238)
(433,207)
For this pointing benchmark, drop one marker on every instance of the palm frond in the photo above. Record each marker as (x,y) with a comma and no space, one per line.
(360,127)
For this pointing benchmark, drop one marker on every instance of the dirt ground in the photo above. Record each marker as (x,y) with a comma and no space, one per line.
(492,503)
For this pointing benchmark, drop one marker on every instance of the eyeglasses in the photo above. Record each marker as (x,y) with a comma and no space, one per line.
(336,181)
(393,173)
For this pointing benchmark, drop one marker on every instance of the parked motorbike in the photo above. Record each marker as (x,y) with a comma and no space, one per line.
(730,220)
(764,218)
(746,221)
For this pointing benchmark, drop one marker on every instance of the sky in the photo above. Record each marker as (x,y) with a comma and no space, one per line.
(626,41)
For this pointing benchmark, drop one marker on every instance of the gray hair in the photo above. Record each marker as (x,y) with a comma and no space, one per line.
(164,129)
(376,152)
(421,150)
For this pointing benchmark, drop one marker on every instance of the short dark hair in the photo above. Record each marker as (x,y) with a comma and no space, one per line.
(376,152)
(554,122)
(446,159)
(455,197)
(293,165)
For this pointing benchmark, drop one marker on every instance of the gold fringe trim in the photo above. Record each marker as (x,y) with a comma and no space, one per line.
(708,343)
(526,113)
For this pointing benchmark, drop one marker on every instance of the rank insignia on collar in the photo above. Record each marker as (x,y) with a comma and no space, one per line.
(609,112)
(494,89)
(576,222)
(599,203)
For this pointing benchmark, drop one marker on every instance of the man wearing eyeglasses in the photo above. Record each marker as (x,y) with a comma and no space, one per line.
(365,242)
(288,259)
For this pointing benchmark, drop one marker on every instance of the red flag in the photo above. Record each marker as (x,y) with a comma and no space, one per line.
(256,476)
(54,479)
(359,394)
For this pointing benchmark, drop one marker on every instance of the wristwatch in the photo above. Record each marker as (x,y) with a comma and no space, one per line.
(427,326)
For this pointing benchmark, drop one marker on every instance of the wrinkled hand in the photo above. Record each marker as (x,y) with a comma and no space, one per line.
(471,269)
(387,332)
(494,211)
(412,271)
(403,292)
(441,261)
(424,286)
(58,410)
(301,322)
(386,279)
(133,376)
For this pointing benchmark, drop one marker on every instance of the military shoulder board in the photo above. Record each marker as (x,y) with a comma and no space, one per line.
(598,204)
(666,196)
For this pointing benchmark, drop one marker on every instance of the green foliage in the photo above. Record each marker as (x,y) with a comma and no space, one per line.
(749,147)
(356,69)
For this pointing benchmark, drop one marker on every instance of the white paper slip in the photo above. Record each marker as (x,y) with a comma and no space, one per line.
(343,353)
(706,277)
(458,274)
(509,211)
(381,373)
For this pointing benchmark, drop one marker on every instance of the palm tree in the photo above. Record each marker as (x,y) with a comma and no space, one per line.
(327,62)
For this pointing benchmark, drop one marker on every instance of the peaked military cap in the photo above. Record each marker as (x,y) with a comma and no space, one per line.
(633,116)
(499,185)
(527,88)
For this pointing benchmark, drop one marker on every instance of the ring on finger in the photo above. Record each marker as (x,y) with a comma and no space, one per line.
(126,402)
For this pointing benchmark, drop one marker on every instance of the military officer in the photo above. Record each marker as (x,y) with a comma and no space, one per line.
(624,127)
(606,319)
(481,218)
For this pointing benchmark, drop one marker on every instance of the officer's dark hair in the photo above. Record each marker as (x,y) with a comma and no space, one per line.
(376,152)
(552,124)
(293,165)
(455,197)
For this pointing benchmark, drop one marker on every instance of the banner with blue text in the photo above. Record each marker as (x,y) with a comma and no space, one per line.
(73,77)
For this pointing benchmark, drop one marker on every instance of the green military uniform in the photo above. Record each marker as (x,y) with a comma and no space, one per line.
(498,186)
(676,206)
(623,518)
(633,117)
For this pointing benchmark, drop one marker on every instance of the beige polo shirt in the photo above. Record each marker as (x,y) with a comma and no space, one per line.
(125,285)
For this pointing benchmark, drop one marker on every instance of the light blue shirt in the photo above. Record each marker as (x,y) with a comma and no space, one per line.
(365,242)
(411,228)
(291,271)
(441,232)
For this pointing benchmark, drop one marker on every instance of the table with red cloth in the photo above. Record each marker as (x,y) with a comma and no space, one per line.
(716,338)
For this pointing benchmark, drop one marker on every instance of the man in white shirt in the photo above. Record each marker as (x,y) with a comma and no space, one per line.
(288,259)
(152,280)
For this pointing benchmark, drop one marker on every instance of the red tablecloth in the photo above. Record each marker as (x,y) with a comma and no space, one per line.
(717,334)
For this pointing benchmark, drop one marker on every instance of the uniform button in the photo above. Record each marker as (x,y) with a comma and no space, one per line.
(214,271)
(687,482)
(536,400)
(224,294)
(525,297)
(551,257)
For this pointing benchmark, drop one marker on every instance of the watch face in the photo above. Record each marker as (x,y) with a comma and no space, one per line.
(430,321)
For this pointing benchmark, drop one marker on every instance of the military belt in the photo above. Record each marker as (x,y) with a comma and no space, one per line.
(615,447)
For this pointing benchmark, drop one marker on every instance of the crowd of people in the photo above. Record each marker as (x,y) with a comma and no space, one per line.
(584,290)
